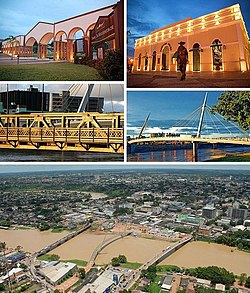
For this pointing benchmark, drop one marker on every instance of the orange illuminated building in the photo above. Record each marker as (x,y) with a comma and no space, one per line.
(216,42)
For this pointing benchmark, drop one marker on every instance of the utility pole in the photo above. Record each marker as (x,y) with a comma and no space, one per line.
(42,97)
(7,99)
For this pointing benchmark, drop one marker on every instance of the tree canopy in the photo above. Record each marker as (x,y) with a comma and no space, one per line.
(234,106)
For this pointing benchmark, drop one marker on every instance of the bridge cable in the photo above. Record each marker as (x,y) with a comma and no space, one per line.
(230,122)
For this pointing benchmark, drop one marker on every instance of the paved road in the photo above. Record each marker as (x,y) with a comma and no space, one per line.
(7,60)
(194,80)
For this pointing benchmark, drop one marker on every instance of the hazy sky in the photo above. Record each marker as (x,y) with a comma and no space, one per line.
(103,90)
(19,16)
(166,105)
(146,16)
(30,167)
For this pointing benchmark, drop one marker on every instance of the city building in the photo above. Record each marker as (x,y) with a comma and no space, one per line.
(216,41)
(64,102)
(167,282)
(102,30)
(237,213)
(109,279)
(30,100)
(205,230)
(209,212)
(15,275)
(54,272)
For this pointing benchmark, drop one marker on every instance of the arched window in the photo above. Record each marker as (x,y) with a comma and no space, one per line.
(139,62)
(154,60)
(217,54)
(196,57)
(165,58)
(146,62)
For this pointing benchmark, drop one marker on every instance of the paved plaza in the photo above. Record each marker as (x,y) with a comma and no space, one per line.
(194,80)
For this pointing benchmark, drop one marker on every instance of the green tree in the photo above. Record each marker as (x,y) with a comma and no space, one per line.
(54,257)
(2,246)
(112,65)
(115,262)
(82,273)
(23,266)
(247,284)
(122,258)
(2,287)
(243,278)
(234,106)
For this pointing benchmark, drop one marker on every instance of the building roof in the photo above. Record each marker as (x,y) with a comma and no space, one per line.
(12,272)
(56,272)
(105,280)
(220,287)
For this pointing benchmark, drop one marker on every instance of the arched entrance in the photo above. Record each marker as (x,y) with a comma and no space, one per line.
(154,60)
(196,57)
(46,46)
(76,44)
(31,47)
(165,58)
(60,46)
(139,62)
(217,55)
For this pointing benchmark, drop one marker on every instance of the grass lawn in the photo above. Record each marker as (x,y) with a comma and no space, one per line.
(81,263)
(131,265)
(57,230)
(166,268)
(154,287)
(45,257)
(51,71)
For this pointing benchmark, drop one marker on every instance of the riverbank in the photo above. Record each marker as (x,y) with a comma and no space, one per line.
(241,157)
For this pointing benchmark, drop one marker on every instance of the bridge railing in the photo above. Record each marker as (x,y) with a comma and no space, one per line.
(94,135)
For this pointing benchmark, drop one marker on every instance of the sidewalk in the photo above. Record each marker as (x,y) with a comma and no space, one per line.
(194,80)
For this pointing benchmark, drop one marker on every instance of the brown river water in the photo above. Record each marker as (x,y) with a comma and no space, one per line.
(139,250)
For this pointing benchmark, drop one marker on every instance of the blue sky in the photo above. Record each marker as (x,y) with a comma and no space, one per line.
(19,16)
(166,105)
(146,16)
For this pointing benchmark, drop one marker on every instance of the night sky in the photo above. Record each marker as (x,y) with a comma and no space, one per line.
(146,16)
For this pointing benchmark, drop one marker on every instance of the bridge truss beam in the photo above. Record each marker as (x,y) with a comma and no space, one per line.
(97,132)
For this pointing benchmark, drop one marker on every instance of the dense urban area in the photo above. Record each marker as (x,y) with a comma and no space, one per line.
(176,208)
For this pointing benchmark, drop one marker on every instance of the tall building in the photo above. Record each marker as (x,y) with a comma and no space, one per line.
(64,102)
(209,212)
(30,100)
(216,41)
(236,213)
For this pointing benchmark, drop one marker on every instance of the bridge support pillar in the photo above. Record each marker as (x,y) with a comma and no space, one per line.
(195,151)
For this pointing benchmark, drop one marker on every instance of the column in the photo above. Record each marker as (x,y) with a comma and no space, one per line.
(70,57)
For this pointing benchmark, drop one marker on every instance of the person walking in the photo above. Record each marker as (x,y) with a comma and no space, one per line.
(182,59)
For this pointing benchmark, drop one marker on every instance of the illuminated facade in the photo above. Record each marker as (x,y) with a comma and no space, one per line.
(216,42)
(57,40)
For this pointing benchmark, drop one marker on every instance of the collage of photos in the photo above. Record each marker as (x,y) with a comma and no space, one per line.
(125,146)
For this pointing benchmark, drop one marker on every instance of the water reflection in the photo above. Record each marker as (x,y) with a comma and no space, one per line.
(56,156)
(205,153)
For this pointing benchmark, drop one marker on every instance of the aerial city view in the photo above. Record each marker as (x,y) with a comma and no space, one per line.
(124,146)
(147,228)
